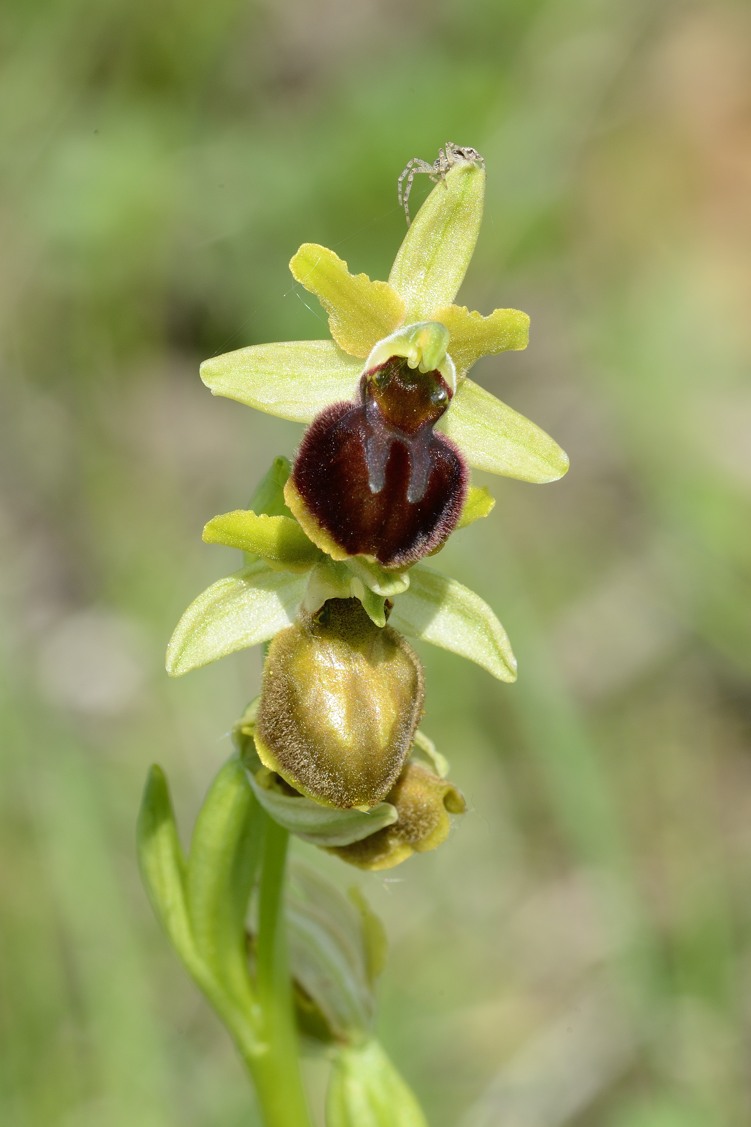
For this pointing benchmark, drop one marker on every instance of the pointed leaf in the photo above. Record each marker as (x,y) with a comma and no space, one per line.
(320,825)
(431,262)
(234,613)
(163,865)
(360,312)
(278,540)
(473,336)
(224,856)
(365,1090)
(294,380)
(495,438)
(442,611)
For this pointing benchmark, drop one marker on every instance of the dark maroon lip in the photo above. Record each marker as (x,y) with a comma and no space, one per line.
(375,476)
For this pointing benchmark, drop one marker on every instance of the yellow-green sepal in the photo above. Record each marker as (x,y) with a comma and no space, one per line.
(447,614)
(294,379)
(279,540)
(496,438)
(431,262)
(234,613)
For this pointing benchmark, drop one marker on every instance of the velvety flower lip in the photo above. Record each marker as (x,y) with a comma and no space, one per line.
(299,379)
(371,478)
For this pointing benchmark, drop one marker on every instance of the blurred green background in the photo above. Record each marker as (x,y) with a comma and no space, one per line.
(579,952)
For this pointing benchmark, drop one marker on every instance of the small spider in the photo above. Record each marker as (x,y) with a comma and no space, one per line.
(448,156)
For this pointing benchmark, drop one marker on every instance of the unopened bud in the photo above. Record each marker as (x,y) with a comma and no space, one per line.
(340,701)
(423,802)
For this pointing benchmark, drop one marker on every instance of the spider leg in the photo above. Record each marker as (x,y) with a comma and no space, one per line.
(404,183)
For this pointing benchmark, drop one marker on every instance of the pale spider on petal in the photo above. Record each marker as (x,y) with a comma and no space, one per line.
(448,156)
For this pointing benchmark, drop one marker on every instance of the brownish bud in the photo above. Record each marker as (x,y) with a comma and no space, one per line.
(423,802)
(340,701)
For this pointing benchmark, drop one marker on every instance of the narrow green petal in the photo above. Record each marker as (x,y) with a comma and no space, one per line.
(496,438)
(234,613)
(473,336)
(480,502)
(431,262)
(294,380)
(360,312)
(442,611)
(278,540)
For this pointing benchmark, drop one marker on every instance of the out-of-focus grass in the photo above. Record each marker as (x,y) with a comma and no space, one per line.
(579,952)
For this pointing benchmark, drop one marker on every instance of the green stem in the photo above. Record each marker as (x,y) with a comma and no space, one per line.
(274,1059)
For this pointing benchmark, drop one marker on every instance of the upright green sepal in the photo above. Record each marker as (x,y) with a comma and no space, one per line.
(431,262)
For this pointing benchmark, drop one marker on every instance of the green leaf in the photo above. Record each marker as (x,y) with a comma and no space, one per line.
(321,825)
(480,501)
(294,380)
(365,1090)
(442,611)
(163,867)
(224,856)
(234,613)
(496,438)
(277,539)
(431,262)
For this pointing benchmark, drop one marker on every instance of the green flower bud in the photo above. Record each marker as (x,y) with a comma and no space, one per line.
(340,701)
(423,802)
